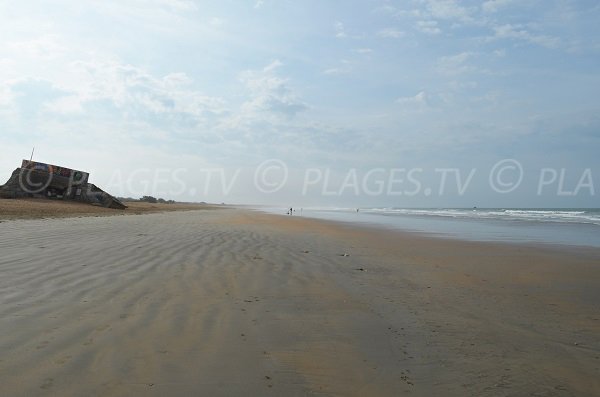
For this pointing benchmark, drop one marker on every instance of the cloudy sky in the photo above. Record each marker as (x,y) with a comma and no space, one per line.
(187,99)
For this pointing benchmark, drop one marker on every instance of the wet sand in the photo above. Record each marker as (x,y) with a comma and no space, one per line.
(235,302)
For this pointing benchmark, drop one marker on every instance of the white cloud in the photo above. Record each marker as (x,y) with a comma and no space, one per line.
(105,92)
(334,71)
(6,95)
(429,27)
(345,66)
(158,15)
(133,92)
(386,9)
(259,4)
(419,100)
(413,13)
(65,105)
(390,33)
(44,47)
(455,64)
(448,9)
(517,32)
(363,50)
(177,5)
(491,6)
(270,95)
(272,66)
(339,30)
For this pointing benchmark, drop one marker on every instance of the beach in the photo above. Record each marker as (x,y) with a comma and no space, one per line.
(237,302)
(35,208)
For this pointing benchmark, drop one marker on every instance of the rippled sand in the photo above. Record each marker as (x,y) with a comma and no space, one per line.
(238,303)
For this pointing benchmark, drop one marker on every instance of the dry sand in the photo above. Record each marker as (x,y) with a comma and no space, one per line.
(232,302)
(43,208)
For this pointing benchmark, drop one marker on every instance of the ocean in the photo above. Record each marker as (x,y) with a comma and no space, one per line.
(564,226)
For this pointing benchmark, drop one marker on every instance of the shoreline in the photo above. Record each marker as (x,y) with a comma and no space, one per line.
(436,236)
(43,210)
(241,302)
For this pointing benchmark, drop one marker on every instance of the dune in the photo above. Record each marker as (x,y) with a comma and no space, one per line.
(37,208)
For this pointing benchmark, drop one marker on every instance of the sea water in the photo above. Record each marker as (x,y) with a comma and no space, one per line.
(567,226)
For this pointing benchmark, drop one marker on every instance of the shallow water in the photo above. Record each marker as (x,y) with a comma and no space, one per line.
(578,227)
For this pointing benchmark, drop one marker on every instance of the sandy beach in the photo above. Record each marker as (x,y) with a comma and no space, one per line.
(235,302)
(42,208)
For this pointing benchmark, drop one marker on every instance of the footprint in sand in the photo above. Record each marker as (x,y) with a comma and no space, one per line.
(102,328)
(63,360)
(267,377)
(407,379)
(42,345)
(48,383)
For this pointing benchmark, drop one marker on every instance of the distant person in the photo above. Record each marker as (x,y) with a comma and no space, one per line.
(291,211)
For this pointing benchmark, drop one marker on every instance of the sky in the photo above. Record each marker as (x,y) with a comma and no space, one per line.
(415,103)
